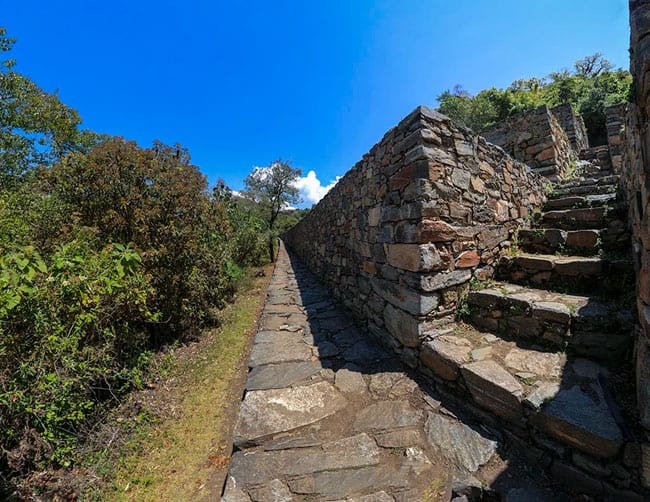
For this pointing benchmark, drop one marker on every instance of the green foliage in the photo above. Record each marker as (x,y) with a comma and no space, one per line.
(590,88)
(155,199)
(36,129)
(107,251)
(272,189)
(69,336)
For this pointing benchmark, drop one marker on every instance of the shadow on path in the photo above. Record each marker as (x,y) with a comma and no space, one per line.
(331,415)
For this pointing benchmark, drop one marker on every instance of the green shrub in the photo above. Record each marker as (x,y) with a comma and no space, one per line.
(155,199)
(70,336)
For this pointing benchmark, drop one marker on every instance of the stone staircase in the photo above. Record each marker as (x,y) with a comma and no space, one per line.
(547,346)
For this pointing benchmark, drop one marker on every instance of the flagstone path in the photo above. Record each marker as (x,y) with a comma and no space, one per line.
(328,414)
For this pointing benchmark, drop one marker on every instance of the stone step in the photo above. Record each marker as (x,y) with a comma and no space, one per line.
(564,397)
(582,218)
(584,325)
(557,192)
(587,169)
(604,178)
(583,242)
(575,273)
(577,201)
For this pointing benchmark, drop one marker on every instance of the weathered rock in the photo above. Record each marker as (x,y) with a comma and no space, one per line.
(286,347)
(544,364)
(415,460)
(542,394)
(289,442)
(365,351)
(275,491)
(582,419)
(350,382)
(265,412)
(342,483)
(481,354)
(414,257)
(408,299)
(277,376)
(445,354)
(442,280)
(385,415)
(323,350)
(257,467)
(494,388)
(232,493)
(399,438)
(402,326)
(373,497)
(552,311)
(458,442)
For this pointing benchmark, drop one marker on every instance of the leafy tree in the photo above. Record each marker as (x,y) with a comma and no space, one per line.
(157,200)
(590,87)
(36,129)
(273,189)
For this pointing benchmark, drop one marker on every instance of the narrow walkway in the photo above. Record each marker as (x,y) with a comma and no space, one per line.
(329,415)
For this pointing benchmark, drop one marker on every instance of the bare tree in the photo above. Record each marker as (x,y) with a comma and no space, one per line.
(592,66)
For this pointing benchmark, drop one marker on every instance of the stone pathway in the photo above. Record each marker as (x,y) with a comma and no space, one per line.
(330,415)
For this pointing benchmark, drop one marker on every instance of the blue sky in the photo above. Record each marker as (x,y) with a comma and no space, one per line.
(241,83)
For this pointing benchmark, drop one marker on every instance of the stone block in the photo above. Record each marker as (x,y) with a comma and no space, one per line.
(494,389)
(459,442)
(402,325)
(408,299)
(582,238)
(445,354)
(468,259)
(401,178)
(266,412)
(580,481)
(582,420)
(414,257)
(443,280)
(643,381)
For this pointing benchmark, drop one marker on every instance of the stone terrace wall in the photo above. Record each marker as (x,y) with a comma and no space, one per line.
(402,233)
(615,120)
(535,138)
(573,126)
(635,174)
(636,180)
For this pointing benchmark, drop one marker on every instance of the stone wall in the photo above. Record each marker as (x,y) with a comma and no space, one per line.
(536,139)
(636,179)
(615,120)
(573,126)
(404,231)
(599,156)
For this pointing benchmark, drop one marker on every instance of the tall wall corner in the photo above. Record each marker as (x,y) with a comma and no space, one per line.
(537,139)
(400,236)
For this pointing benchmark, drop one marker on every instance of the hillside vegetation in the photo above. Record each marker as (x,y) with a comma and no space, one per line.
(590,86)
(108,252)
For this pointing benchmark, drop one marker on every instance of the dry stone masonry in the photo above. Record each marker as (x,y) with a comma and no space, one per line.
(401,234)
(538,139)
(615,120)
(573,125)
(636,180)
(546,348)
(330,415)
(507,299)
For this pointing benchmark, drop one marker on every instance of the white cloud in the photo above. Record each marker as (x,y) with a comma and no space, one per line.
(311,189)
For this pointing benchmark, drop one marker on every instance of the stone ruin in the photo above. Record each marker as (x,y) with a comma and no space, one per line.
(400,236)
(432,208)
(538,139)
